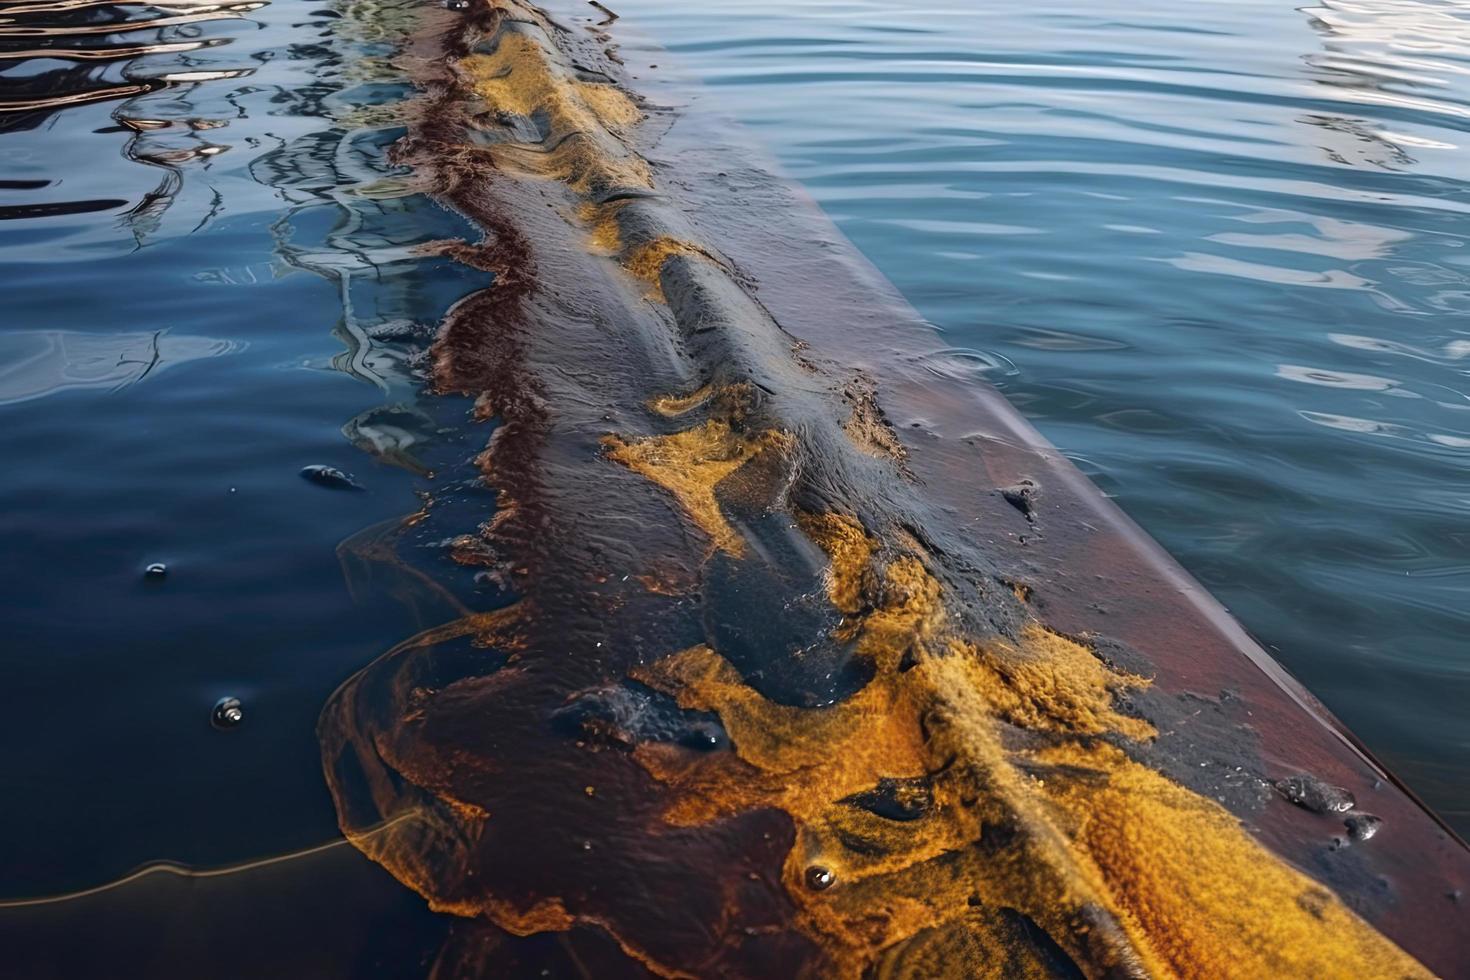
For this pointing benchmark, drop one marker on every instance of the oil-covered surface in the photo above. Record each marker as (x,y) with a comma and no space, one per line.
(846,690)
(1217,252)
(718,663)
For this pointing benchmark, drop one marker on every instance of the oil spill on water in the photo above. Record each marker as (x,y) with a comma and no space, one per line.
(753,657)
(687,617)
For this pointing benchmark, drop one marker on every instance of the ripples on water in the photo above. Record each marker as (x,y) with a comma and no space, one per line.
(212,279)
(1224,245)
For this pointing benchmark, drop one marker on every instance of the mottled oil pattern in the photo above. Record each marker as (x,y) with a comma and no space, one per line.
(748,663)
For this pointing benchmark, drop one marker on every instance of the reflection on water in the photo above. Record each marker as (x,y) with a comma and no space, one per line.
(43,362)
(1224,245)
(185,181)
(83,35)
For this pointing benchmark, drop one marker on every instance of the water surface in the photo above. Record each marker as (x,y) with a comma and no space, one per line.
(200,238)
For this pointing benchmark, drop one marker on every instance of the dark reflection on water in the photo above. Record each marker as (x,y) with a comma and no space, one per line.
(209,284)
(1223,245)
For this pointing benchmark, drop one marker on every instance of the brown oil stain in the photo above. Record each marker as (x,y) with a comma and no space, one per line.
(1124,869)
(972,809)
(870,431)
(672,406)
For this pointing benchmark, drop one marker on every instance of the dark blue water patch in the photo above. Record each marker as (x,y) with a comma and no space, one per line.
(175,362)
(195,467)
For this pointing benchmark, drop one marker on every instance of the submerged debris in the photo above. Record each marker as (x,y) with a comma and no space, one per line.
(628,714)
(402,331)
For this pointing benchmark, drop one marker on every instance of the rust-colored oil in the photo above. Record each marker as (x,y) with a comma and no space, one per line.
(759,708)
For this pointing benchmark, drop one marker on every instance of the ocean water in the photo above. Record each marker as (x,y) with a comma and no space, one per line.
(191,275)
(1216,251)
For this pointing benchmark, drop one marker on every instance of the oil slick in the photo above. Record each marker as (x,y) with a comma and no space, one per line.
(824,733)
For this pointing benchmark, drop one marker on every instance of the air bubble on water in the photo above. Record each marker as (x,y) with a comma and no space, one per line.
(228,712)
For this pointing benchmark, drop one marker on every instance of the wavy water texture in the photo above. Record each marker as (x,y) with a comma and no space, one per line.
(87,51)
(209,285)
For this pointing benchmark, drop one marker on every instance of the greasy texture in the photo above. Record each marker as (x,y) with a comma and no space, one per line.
(748,703)
(690,463)
(1123,869)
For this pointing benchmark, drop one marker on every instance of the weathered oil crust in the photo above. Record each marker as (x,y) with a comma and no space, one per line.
(761,706)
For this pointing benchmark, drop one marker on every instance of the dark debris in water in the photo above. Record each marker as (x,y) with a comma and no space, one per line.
(1362,826)
(227,713)
(401,332)
(629,713)
(329,477)
(1024,495)
(1311,793)
(896,799)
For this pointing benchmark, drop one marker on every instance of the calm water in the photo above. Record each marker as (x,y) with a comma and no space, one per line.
(190,280)
(1215,250)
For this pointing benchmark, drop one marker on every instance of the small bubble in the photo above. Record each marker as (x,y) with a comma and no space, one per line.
(156,570)
(819,878)
(227,713)
(700,738)
(1362,826)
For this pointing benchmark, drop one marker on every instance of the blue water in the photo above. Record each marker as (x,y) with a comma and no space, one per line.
(191,278)
(1216,251)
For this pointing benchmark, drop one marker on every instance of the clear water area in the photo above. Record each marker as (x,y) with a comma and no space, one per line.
(1215,250)
(193,280)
